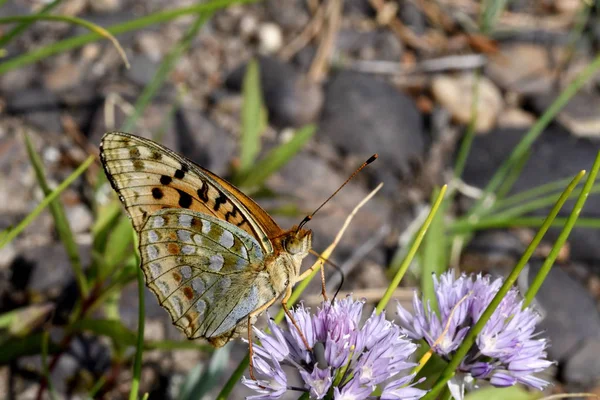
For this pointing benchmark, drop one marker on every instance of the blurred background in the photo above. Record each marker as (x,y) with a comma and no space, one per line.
(286,98)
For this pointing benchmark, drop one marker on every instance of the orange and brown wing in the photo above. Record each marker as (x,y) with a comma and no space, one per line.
(149,177)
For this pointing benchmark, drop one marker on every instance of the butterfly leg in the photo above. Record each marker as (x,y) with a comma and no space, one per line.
(250,349)
(288,294)
(309,271)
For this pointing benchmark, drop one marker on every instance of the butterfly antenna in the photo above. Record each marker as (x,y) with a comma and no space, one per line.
(309,217)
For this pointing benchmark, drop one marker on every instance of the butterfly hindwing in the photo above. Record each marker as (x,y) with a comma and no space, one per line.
(199,268)
(149,177)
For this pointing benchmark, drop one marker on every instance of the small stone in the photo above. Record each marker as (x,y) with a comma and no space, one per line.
(456,95)
(151,44)
(142,70)
(80,218)
(515,118)
(270,38)
(583,367)
(525,68)
(248,25)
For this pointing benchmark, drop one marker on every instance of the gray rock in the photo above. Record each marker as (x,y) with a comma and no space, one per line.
(583,368)
(363,115)
(142,70)
(37,106)
(204,142)
(569,313)
(555,155)
(290,99)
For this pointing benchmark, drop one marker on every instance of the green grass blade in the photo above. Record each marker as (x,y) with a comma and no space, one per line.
(512,177)
(412,252)
(253,117)
(468,341)
(535,131)
(45,369)
(164,69)
(278,157)
(71,20)
(78,41)
(12,233)
(519,198)
(526,222)
(22,27)
(564,234)
(434,253)
(490,11)
(60,220)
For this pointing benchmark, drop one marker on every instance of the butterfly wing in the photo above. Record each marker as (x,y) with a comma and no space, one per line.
(199,267)
(149,177)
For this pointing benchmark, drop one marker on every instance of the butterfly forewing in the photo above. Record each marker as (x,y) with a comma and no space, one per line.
(149,177)
(199,267)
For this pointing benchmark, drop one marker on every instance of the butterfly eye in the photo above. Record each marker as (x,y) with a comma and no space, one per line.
(293,245)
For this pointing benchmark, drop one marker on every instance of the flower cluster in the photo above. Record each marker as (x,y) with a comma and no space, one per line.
(345,360)
(506,351)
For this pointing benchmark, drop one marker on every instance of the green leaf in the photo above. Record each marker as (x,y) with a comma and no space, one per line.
(277,158)
(253,117)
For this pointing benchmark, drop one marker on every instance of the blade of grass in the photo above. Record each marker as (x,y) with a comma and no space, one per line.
(20,28)
(564,234)
(78,41)
(277,158)
(253,117)
(531,222)
(60,220)
(535,131)
(71,20)
(300,287)
(468,341)
(412,252)
(163,71)
(434,253)
(519,198)
(45,370)
(465,145)
(512,177)
(12,233)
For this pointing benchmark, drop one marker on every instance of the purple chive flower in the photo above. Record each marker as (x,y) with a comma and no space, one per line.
(346,360)
(505,352)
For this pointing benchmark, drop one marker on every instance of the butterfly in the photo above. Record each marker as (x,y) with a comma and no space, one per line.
(212,256)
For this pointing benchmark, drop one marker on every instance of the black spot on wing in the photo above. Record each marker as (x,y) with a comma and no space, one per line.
(185,200)
(222,199)
(157,193)
(203,192)
(165,180)
(231,214)
(179,174)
